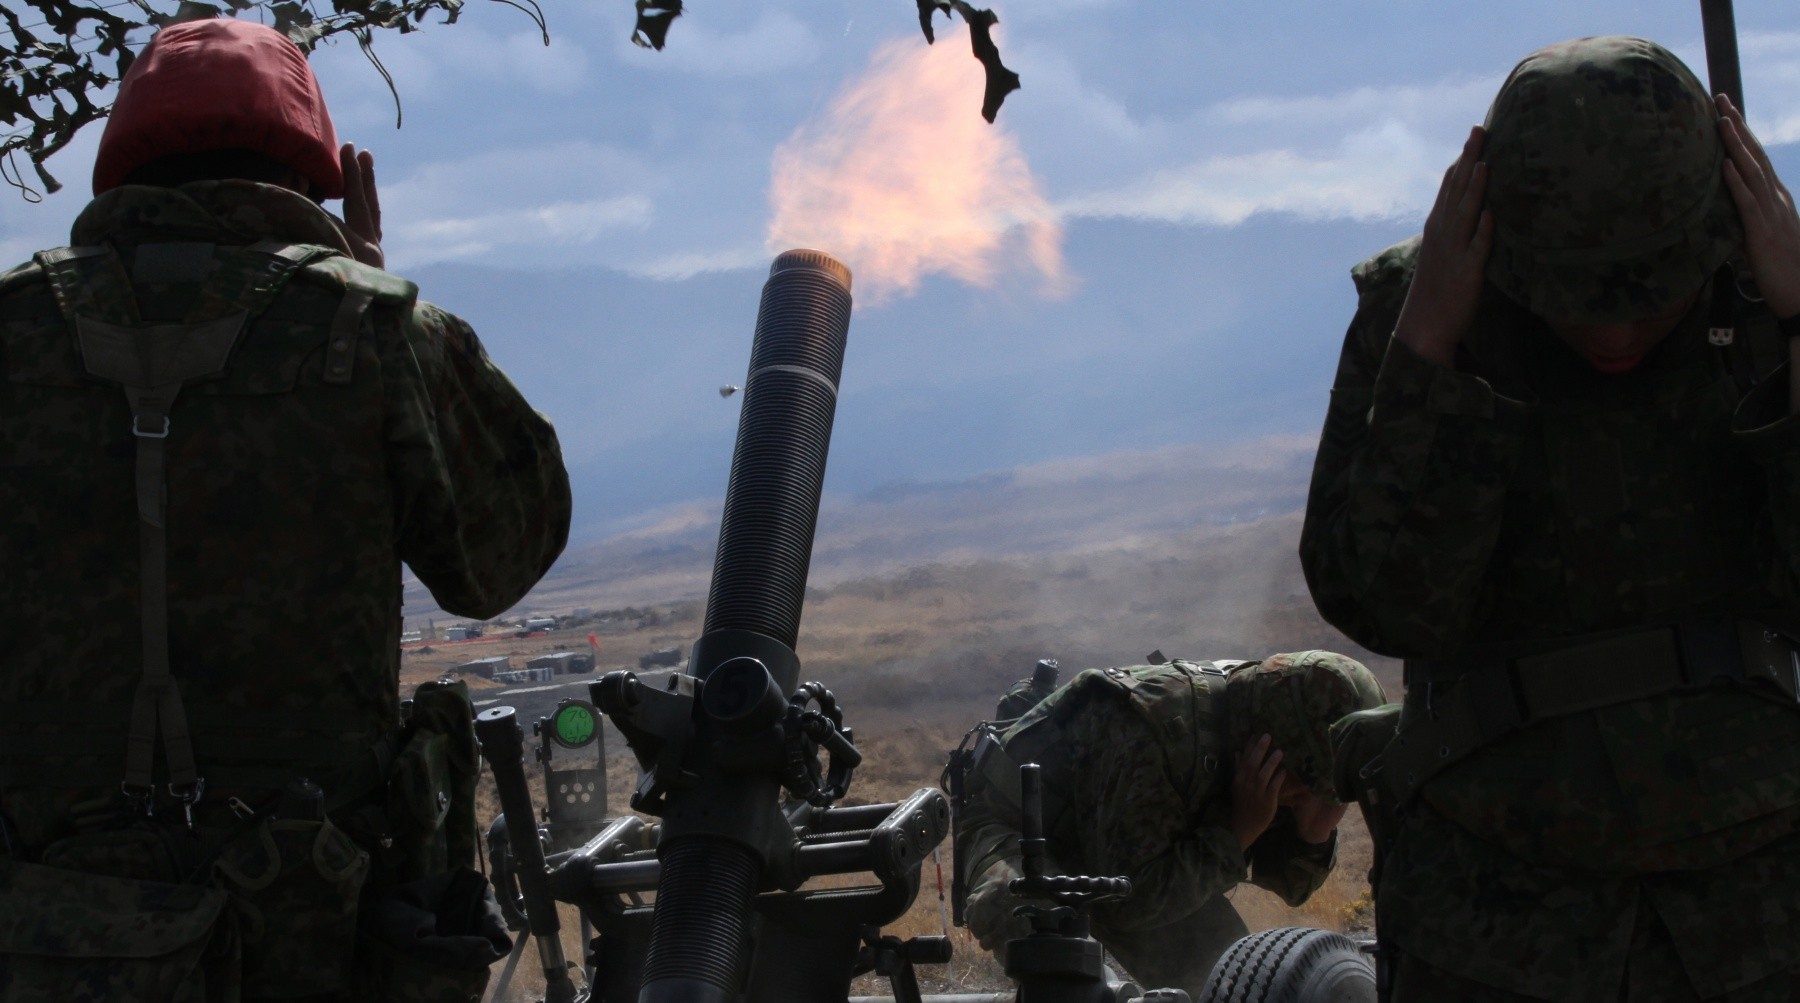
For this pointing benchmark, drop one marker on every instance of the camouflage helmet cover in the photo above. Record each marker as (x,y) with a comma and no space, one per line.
(1604,177)
(1295,698)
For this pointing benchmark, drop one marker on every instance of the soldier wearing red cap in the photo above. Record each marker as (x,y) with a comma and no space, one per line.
(223,430)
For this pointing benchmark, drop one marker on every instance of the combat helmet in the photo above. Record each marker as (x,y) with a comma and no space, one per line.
(1605,180)
(220,84)
(1295,698)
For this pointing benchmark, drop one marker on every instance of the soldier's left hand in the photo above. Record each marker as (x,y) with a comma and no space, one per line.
(1771,225)
(1315,818)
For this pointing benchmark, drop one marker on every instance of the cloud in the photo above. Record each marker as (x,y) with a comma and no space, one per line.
(1365,155)
(557,201)
(1771,68)
(687,264)
(1387,173)
(902,179)
(448,59)
(449,238)
(774,42)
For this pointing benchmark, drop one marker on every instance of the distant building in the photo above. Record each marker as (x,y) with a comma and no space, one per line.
(513,676)
(412,636)
(564,663)
(486,668)
(660,657)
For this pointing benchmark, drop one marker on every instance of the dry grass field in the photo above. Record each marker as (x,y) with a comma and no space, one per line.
(919,654)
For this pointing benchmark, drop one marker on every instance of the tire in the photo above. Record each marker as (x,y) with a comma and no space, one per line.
(1292,965)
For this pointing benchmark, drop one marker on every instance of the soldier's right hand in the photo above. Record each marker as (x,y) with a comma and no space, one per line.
(1256,789)
(1446,288)
(362,206)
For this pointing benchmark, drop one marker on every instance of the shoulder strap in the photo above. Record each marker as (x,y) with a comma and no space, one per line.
(151,363)
(93,282)
(363,286)
(1742,327)
(89,281)
(21,276)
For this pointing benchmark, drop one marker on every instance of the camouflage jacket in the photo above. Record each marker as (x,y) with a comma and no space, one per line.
(1522,496)
(292,500)
(1137,785)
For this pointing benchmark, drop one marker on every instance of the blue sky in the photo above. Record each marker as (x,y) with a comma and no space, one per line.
(1149,250)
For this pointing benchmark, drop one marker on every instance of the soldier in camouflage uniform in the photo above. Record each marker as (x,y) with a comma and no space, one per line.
(1026,693)
(1560,476)
(1185,777)
(223,429)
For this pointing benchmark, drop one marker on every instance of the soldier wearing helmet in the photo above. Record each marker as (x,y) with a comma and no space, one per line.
(1560,476)
(224,429)
(1187,777)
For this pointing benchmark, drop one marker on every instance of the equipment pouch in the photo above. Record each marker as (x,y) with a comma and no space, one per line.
(418,802)
(70,937)
(432,939)
(431,790)
(139,852)
(297,883)
(1357,742)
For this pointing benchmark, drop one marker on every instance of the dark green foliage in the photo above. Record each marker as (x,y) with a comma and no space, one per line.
(653,20)
(1000,80)
(60,56)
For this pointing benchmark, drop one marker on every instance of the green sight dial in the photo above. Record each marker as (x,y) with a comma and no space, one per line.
(575,724)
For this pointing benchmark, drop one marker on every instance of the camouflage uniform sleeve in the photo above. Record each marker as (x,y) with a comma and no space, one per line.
(1287,865)
(1771,437)
(482,498)
(1133,821)
(1409,483)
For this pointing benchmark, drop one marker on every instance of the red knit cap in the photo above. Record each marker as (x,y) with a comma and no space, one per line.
(220,84)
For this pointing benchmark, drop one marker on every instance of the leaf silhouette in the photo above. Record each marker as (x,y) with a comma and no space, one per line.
(1000,80)
(653,20)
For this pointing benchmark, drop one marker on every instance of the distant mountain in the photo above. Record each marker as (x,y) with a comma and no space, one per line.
(1061,506)
(927,593)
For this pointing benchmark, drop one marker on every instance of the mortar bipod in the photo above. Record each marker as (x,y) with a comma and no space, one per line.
(503,746)
(1059,962)
(808,941)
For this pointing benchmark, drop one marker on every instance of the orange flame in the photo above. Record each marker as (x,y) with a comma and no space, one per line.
(901,178)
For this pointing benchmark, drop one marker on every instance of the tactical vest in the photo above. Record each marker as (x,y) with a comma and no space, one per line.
(1460,704)
(208,431)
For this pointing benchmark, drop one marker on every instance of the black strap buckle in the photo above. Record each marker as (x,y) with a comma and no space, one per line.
(136,420)
(188,795)
(141,796)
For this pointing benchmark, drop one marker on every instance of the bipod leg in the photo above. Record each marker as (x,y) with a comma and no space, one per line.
(497,992)
(587,953)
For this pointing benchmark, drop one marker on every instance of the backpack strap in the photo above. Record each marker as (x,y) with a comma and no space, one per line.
(1743,328)
(151,363)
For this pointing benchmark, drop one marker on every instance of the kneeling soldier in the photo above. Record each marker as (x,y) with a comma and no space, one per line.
(1187,778)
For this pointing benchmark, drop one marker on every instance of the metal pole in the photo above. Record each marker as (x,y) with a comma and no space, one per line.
(1723,72)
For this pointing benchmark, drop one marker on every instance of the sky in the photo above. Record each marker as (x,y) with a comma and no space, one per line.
(1149,250)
